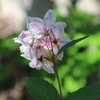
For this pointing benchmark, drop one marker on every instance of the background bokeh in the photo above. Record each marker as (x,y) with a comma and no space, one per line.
(80,65)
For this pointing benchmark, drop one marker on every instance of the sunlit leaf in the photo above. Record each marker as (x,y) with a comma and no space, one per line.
(71,44)
(87,93)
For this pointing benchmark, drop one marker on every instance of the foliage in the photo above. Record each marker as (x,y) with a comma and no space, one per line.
(83,59)
(70,44)
(40,89)
(91,92)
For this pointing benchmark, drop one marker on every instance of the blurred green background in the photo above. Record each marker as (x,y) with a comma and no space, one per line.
(79,67)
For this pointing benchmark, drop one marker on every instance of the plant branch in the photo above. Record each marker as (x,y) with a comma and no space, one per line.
(59,84)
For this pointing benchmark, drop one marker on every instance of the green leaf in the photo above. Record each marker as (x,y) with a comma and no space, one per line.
(70,44)
(40,89)
(87,93)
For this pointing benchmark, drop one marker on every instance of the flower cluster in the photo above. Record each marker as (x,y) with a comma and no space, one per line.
(42,41)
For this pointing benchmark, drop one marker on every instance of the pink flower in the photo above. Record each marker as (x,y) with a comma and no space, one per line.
(30,46)
(40,62)
(40,27)
(26,39)
(57,38)
(43,37)
(38,48)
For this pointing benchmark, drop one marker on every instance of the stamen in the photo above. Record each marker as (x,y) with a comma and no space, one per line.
(38,47)
(54,41)
(41,58)
(31,44)
(46,33)
(39,68)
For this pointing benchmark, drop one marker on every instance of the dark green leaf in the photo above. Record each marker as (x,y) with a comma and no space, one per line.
(87,93)
(40,89)
(71,44)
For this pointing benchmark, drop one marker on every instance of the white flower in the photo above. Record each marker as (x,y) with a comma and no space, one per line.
(40,62)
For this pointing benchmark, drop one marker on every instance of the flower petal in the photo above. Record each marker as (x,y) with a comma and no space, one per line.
(24,37)
(37,29)
(34,63)
(31,53)
(36,26)
(64,40)
(17,40)
(28,22)
(60,56)
(25,51)
(25,56)
(51,33)
(55,49)
(58,29)
(38,20)
(49,19)
(48,67)
(32,20)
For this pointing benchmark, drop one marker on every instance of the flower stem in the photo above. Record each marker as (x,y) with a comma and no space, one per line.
(56,72)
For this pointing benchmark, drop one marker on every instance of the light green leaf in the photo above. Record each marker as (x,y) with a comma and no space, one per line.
(40,89)
(71,44)
(87,93)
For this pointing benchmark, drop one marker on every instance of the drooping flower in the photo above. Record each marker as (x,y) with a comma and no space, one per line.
(26,39)
(39,63)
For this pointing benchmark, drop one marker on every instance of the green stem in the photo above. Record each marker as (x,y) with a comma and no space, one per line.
(56,72)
